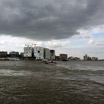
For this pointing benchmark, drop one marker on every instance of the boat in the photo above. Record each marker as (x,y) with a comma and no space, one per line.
(46,61)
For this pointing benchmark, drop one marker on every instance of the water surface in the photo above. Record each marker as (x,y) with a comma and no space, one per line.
(31,82)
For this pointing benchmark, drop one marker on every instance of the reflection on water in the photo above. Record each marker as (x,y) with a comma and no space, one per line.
(30,82)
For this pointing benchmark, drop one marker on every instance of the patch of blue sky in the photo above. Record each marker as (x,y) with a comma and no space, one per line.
(98,35)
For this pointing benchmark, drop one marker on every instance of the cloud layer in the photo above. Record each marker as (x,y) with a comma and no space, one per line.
(49,19)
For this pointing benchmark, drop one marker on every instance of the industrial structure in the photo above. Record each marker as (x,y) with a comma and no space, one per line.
(39,53)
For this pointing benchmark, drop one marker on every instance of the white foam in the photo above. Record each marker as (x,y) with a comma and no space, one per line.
(4,72)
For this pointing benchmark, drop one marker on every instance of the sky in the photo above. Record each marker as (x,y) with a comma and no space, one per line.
(74,27)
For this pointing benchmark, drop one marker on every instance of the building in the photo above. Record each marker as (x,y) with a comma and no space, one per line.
(28,52)
(21,55)
(71,58)
(57,58)
(14,54)
(94,59)
(3,54)
(52,54)
(46,53)
(63,57)
(74,58)
(38,52)
(85,57)
(90,58)
(43,53)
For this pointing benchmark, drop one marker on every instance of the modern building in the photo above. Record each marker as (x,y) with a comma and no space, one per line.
(52,54)
(38,52)
(28,51)
(46,53)
(63,57)
(43,53)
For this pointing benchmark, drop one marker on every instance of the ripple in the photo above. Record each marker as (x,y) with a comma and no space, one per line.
(4,72)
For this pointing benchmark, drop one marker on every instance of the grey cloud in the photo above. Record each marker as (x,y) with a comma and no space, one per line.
(49,19)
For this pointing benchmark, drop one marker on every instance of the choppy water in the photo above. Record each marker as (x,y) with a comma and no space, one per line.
(93,70)
(30,82)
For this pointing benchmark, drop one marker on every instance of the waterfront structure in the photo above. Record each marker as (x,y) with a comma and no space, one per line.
(46,53)
(85,57)
(13,54)
(57,58)
(3,54)
(52,54)
(38,52)
(74,58)
(71,58)
(94,59)
(28,52)
(63,57)
(42,53)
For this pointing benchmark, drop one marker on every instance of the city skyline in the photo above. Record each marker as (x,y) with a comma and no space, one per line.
(72,27)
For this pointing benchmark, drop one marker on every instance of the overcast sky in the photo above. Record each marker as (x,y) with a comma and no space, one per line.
(75,27)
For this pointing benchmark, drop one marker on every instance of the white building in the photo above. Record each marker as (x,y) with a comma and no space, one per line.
(39,52)
(27,52)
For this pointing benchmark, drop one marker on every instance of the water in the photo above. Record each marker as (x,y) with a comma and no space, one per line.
(30,82)
(93,70)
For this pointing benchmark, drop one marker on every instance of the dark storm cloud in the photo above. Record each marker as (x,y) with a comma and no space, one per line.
(49,19)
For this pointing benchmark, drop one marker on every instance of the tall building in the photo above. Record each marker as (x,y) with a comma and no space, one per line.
(42,53)
(28,52)
(46,53)
(52,54)
(38,52)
